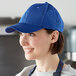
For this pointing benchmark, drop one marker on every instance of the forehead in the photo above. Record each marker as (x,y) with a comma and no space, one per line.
(39,31)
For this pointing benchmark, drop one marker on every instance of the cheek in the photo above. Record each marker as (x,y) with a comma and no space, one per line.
(34,42)
(40,44)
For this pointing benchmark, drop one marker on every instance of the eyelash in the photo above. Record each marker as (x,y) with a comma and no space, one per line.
(31,34)
(20,33)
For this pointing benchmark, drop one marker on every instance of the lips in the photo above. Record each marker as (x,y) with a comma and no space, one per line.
(28,50)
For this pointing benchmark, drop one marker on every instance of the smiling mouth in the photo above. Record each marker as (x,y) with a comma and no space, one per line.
(28,50)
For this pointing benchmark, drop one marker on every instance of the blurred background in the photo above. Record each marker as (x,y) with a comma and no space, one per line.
(12,58)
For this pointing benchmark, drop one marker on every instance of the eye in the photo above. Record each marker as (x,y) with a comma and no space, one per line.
(20,34)
(31,34)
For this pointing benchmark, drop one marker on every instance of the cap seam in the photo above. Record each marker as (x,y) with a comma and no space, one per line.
(44,13)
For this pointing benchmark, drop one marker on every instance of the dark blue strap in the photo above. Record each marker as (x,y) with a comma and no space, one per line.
(59,69)
(57,73)
(32,70)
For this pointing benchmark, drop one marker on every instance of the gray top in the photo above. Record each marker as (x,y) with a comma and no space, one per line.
(66,71)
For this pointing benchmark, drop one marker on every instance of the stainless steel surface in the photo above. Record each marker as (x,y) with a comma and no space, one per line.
(71,44)
(71,56)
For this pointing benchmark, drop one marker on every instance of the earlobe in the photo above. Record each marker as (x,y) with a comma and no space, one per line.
(54,36)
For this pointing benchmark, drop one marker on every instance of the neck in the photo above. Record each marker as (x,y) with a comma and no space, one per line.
(48,63)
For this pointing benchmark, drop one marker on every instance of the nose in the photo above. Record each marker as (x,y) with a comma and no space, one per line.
(24,41)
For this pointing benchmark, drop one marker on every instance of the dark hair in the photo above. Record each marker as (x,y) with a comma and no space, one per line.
(56,47)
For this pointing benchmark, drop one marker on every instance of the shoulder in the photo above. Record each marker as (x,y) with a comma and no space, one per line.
(25,71)
(68,71)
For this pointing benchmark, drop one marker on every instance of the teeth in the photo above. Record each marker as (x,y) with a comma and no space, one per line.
(27,50)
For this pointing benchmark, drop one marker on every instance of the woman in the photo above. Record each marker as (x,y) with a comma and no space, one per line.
(41,38)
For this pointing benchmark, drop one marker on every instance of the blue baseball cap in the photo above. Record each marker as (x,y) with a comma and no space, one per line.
(36,17)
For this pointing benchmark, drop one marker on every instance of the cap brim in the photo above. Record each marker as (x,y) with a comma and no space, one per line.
(23,27)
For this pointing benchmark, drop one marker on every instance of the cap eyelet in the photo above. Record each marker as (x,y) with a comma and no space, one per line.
(37,7)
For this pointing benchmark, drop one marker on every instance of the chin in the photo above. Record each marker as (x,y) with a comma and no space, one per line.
(29,57)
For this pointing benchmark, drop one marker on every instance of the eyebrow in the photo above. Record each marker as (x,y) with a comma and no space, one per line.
(28,33)
(18,32)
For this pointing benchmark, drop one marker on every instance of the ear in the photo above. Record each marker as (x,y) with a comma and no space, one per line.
(54,36)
